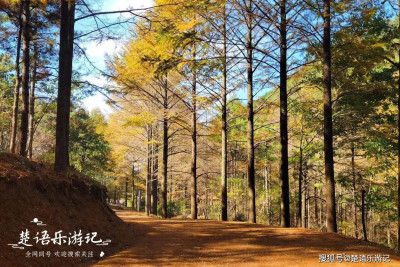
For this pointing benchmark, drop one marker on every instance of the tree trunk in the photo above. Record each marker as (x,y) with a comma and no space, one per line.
(154,183)
(25,77)
(224,132)
(193,167)
(139,200)
(206,200)
(321,209)
(363,215)
(250,118)
(267,203)
(328,134)
(316,205)
(284,164)
(398,146)
(353,172)
(388,229)
(300,206)
(14,123)
(133,187)
(64,84)
(305,196)
(126,191)
(165,154)
(149,168)
(115,195)
(32,91)
(171,188)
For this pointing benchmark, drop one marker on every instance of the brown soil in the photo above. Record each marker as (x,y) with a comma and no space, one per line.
(71,202)
(68,202)
(211,243)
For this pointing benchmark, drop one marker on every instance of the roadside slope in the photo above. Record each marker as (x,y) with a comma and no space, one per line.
(68,202)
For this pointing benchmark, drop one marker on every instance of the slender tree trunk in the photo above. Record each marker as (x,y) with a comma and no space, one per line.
(388,229)
(250,118)
(316,205)
(363,215)
(133,187)
(353,172)
(165,154)
(224,132)
(149,168)
(25,77)
(267,203)
(31,114)
(126,191)
(328,133)
(308,208)
(64,84)
(398,147)
(305,190)
(139,200)
(284,173)
(300,206)
(171,188)
(372,233)
(193,193)
(154,183)
(14,123)
(32,91)
(321,209)
(340,206)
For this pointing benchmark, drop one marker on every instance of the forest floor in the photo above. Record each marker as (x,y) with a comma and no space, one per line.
(70,203)
(175,242)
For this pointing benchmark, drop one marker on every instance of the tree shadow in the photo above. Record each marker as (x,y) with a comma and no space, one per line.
(185,242)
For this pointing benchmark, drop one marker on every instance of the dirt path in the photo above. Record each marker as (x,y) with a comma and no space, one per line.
(212,243)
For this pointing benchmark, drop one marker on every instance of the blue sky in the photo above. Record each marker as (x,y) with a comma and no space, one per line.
(97,51)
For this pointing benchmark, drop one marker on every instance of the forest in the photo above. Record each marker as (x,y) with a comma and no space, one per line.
(279,112)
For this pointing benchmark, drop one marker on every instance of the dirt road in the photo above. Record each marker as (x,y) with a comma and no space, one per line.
(211,243)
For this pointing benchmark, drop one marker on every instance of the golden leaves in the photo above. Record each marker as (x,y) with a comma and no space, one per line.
(14,2)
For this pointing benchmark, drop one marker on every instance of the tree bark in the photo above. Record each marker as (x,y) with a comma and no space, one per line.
(353,173)
(363,215)
(250,118)
(133,187)
(126,192)
(25,77)
(305,196)
(328,133)
(388,229)
(139,200)
(149,168)
(300,206)
(14,123)
(398,161)
(164,184)
(224,132)
(267,203)
(284,173)
(32,92)
(398,146)
(316,205)
(154,182)
(64,84)
(193,165)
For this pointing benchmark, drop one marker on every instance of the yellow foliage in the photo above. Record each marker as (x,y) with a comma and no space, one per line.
(43,2)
